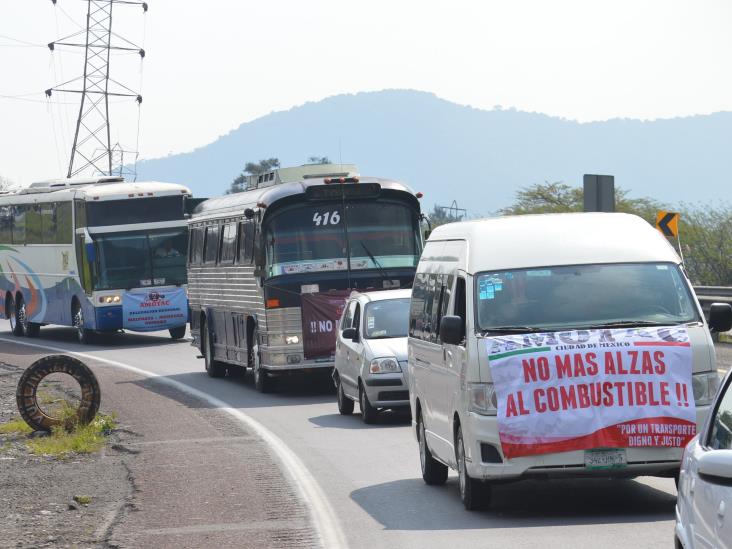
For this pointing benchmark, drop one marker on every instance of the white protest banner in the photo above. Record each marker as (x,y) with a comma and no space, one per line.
(586,389)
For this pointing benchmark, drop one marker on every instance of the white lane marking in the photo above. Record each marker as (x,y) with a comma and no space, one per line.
(324,517)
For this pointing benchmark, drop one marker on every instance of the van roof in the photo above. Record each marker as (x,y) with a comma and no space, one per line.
(543,240)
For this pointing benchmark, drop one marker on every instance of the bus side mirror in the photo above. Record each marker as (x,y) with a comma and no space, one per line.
(451,330)
(720,317)
(91,252)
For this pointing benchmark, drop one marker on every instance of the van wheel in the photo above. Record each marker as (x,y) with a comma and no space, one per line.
(178,333)
(433,472)
(345,404)
(214,368)
(368,412)
(474,493)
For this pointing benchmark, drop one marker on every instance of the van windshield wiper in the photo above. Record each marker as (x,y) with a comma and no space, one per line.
(625,324)
(515,329)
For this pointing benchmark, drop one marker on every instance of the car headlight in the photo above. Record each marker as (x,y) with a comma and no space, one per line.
(483,399)
(387,365)
(704,386)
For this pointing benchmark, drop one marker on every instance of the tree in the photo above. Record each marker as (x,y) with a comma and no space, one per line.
(5,183)
(318,160)
(441,215)
(705,231)
(559,197)
(706,242)
(252,168)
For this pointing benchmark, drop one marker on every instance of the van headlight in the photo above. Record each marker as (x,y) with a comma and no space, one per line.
(705,386)
(388,365)
(483,399)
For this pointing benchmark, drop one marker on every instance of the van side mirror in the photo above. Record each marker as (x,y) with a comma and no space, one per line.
(451,330)
(720,317)
(350,333)
(716,466)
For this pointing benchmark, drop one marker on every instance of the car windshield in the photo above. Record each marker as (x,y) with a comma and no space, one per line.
(386,318)
(583,296)
(141,258)
(315,238)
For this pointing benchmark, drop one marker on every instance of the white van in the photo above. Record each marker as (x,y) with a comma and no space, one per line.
(555,345)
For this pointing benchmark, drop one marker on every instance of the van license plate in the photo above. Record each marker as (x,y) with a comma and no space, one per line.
(605,459)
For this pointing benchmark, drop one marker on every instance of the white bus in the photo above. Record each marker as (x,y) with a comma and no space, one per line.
(100,255)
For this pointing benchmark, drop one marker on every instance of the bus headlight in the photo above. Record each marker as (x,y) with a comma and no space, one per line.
(109,299)
(292,340)
(483,399)
(705,387)
(388,365)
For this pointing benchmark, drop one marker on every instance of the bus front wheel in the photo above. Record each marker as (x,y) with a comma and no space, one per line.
(82,334)
(178,332)
(262,382)
(214,368)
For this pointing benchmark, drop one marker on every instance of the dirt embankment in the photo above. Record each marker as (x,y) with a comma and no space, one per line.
(57,501)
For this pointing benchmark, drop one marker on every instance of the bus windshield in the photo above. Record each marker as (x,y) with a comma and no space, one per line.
(319,237)
(583,296)
(140,258)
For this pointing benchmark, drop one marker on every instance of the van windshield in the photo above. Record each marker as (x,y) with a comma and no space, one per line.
(583,296)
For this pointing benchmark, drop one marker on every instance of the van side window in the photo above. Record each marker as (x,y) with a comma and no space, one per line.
(444,303)
(416,311)
(460,301)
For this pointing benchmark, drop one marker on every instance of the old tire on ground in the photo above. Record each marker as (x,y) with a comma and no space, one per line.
(345,404)
(433,472)
(25,394)
(178,332)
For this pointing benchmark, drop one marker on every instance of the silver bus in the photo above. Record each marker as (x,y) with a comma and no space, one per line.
(270,268)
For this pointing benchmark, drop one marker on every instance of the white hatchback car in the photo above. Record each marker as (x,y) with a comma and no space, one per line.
(704,505)
(371,353)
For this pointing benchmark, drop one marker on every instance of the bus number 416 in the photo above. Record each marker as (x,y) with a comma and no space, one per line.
(328,217)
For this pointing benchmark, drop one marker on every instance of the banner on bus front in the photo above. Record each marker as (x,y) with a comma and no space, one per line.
(586,389)
(321,313)
(153,310)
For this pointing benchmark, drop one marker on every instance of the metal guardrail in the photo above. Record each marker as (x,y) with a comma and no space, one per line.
(713,294)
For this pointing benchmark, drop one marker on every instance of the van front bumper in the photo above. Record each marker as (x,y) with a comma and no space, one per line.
(486,460)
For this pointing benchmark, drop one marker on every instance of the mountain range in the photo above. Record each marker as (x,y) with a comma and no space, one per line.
(478,158)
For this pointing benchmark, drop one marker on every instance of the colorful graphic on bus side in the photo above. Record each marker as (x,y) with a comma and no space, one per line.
(154,310)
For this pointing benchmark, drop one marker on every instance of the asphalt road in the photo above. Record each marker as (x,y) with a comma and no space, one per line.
(370,474)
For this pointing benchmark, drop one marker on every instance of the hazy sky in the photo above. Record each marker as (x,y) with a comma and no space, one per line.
(213,64)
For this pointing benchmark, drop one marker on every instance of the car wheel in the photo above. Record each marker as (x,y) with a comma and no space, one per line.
(345,404)
(433,472)
(82,334)
(368,412)
(178,332)
(474,493)
(214,368)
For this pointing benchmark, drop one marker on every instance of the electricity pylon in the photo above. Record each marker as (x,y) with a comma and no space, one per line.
(92,146)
